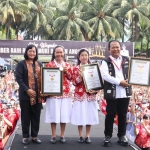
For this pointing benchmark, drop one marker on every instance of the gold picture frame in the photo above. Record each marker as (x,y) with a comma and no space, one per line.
(51,81)
(92,77)
(139,71)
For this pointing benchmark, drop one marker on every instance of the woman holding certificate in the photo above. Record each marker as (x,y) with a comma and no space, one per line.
(84,111)
(58,108)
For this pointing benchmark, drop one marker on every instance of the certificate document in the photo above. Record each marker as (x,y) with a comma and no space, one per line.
(92,77)
(52,81)
(139,71)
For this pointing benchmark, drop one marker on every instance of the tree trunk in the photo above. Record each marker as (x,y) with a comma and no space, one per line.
(141,47)
(101,37)
(86,37)
(38,34)
(17,33)
(32,36)
(147,47)
(123,31)
(136,30)
(132,36)
(8,29)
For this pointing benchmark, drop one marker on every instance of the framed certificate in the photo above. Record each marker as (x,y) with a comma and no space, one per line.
(52,81)
(139,71)
(92,77)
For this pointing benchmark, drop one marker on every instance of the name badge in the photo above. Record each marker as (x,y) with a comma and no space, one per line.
(108,91)
(126,66)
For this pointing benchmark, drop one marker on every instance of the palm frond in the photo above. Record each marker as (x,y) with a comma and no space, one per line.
(116,27)
(32,6)
(76,30)
(83,24)
(107,28)
(36,23)
(130,14)
(58,20)
(143,10)
(49,29)
(68,30)
(93,20)
(62,34)
(5,14)
(144,20)
(126,4)
(119,12)
(42,19)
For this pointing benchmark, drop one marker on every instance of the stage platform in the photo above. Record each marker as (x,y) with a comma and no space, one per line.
(71,134)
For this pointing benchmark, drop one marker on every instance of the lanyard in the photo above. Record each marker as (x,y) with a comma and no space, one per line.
(116,64)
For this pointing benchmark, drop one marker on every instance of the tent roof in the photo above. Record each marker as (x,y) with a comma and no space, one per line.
(2,62)
(42,58)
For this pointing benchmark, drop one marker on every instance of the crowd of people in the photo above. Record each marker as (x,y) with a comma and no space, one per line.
(137,115)
(138,123)
(9,106)
(125,105)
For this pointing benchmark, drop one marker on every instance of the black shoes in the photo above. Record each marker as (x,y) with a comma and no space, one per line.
(107,141)
(81,140)
(25,141)
(123,141)
(62,140)
(53,140)
(37,140)
(87,140)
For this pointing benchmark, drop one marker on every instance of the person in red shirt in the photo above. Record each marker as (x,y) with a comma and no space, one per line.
(103,106)
(58,108)
(84,111)
(142,132)
(12,115)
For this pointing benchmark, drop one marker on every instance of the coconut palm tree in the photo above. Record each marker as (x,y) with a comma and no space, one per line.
(69,25)
(41,15)
(12,11)
(103,25)
(135,11)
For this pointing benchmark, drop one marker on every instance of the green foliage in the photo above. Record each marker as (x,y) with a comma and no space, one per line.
(2,33)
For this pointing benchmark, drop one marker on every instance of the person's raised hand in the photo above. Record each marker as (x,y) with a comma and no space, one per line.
(65,69)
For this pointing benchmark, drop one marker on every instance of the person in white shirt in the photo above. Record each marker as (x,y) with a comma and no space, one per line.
(114,71)
(124,52)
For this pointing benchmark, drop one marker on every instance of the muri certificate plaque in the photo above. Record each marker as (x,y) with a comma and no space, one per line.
(92,77)
(52,81)
(139,71)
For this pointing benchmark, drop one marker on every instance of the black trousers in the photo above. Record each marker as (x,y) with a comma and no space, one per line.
(118,106)
(30,115)
(145,148)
